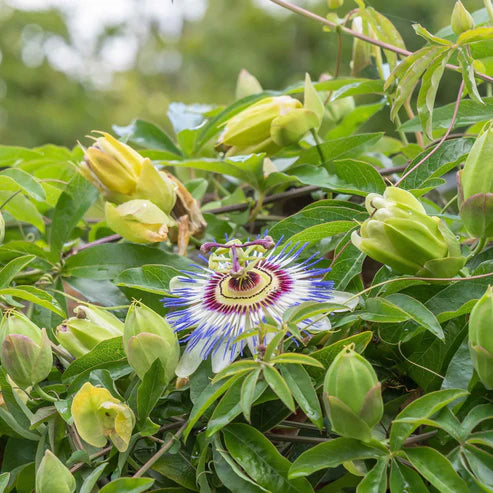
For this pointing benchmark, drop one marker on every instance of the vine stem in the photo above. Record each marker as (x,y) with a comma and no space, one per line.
(160,452)
(43,394)
(363,37)
(441,141)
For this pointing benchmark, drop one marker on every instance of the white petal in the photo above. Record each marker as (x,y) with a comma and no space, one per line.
(175,284)
(190,360)
(341,298)
(222,359)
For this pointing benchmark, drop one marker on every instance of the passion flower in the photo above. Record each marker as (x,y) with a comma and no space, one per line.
(242,286)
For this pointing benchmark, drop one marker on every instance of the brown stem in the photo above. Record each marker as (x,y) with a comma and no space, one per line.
(101,241)
(160,452)
(363,37)
(77,466)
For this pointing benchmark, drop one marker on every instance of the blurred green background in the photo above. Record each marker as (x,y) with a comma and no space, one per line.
(70,66)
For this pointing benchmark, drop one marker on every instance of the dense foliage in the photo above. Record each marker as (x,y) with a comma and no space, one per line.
(268,299)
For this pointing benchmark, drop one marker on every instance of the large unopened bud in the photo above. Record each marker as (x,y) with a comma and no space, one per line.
(99,416)
(461,19)
(25,350)
(148,337)
(78,335)
(475,183)
(53,477)
(111,165)
(481,338)
(139,221)
(352,395)
(401,235)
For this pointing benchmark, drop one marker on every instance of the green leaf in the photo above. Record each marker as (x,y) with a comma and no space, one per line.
(322,231)
(230,405)
(327,354)
(72,204)
(332,454)
(428,91)
(300,384)
(437,469)
(467,69)
(345,147)
(206,399)
(108,261)
(26,182)
(481,464)
(147,135)
(261,460)
(92,478)
(375,481)
(10,155)
(423,407)
(127,485)
(347,176)
(447,157)
(308,309)
(476,416)
(12,423)
(107,351)
(4,481)
(312,216)
(477,34)
(247,392)
(21,208)
(149,278)
(150,389)
(235,368)
(295,358)
(36,296)
(279,386)
(8,272)
(424,33)
(405,479)
(178,468)
(460,369)
(470,112)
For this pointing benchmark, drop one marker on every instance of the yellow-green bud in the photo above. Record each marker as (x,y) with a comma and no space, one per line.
(25,350)
(401,235)
(78,335)
(461,19)
(475,183)
(111,165)
(53,477)
(147,337)
(99,416)
(139,221)
(247,85)
(481,338)
(352,395)
(335,4)
(250,130)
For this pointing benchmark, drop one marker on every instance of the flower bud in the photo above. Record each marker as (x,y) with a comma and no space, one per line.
(247,85)
(139,221)
(335,4)
(53,477)
(400,234)
(25,350)
(352,395)
(481,338)
(475,183)
(111,165)
(99,416)
(147,337)
(250,130)
(78,335)
(461,19)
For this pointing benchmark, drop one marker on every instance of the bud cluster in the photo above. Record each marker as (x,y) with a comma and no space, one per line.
(148,201)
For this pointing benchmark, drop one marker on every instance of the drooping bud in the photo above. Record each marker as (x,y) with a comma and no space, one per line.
(475,184)
(111,165)
(139,221)
(461,19)
(53,477)
(247,85)
(352,395)
(401,235)
(147,337)
(78,335)
(335,4)
(25,350)
(99,416)
(481,338)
